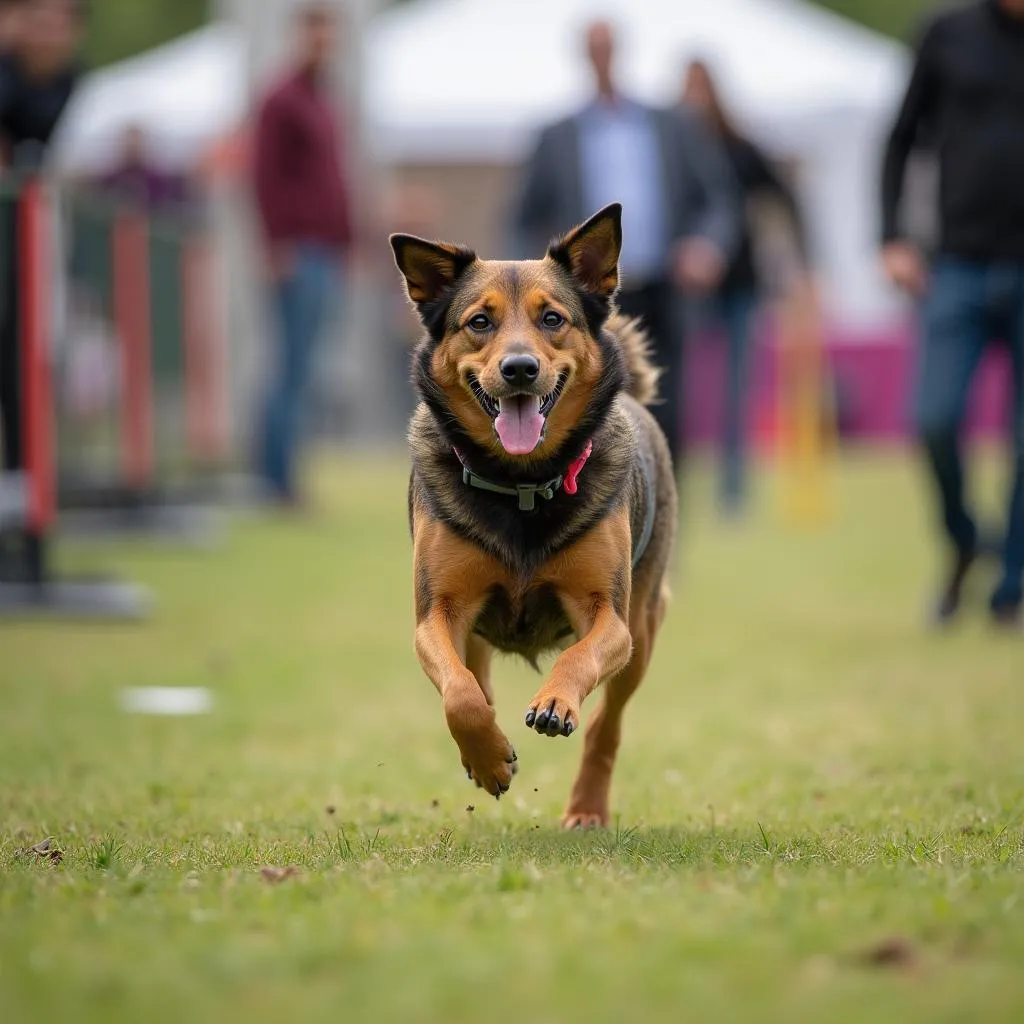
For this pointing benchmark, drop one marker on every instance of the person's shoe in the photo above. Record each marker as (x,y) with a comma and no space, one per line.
(288,503)
(1009,618)
(293,504)
(948,605)
(1007,608)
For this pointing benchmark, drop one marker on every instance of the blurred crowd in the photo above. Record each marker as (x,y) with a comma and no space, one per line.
(685,176)
(688,179)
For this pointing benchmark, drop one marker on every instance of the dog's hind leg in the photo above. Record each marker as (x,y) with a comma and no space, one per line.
(589,802)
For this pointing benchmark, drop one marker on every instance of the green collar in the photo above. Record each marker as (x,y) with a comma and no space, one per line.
(526,493)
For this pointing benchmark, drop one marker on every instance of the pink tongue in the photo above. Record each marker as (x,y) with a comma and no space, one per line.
(519,424)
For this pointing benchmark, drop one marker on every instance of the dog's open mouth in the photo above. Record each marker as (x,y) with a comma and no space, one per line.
(519,420)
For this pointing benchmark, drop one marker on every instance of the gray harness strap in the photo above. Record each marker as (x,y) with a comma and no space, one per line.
(650,503)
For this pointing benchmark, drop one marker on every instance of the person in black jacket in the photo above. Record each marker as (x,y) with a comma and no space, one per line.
(965,101)
(736,300)
(37,78)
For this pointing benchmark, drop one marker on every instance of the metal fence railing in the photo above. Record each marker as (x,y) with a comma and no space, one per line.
(141,348)
(114,379)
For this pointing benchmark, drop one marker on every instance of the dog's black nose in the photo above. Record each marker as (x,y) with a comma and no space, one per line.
(520,370)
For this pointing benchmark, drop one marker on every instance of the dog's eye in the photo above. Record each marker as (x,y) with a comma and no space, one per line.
(553,319)
(479,323)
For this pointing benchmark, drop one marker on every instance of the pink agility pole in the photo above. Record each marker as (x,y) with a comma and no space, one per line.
(36,368)
(132,318)
(205,398)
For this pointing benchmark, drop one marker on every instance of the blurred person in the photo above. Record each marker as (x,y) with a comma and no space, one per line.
(11,12)
(136,178)
(735,301)
(303,200)
(680,216)
(37,78)
(965,99)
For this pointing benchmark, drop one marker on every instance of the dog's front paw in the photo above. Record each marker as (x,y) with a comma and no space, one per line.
(552,714)
(487,755)
(490,764)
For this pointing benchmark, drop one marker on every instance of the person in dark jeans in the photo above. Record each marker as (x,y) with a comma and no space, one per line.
(966,100)
(303,202)
(679,207)
(37,78)
(736,300)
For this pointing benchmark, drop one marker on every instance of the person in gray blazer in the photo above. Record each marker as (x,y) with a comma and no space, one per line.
(681,208)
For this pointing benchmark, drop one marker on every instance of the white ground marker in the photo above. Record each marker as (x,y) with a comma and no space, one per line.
(167,700)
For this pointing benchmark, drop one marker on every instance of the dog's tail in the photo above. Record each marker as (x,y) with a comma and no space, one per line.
(643,374)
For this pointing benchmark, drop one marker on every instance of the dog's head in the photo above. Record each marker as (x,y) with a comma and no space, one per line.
(515,359)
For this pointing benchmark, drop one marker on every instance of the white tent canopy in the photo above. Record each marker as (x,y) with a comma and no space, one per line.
(184,95)
(448,79)
(472,80)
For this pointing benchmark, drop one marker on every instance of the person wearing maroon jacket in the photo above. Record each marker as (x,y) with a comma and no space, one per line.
(303,203)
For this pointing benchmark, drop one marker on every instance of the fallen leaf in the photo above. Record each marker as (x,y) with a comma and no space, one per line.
(891,952)
(275,876)
(45,850)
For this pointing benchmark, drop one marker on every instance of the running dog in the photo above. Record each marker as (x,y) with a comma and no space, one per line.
(542,500)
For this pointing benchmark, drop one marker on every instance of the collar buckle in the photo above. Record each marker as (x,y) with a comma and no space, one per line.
(527,493)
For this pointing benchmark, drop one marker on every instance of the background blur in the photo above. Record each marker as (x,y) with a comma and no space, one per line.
(814,85)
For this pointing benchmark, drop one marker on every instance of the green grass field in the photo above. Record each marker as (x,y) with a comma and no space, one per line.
(819,805)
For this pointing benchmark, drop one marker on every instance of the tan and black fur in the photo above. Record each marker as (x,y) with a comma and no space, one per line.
(489,576)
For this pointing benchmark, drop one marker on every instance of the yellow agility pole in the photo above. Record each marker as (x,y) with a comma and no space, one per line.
(805,416)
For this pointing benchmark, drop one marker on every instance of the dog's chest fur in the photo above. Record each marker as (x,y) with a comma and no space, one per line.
(527,623)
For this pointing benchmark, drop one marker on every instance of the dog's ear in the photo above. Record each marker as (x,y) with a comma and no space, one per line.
(430,269)
(591,252)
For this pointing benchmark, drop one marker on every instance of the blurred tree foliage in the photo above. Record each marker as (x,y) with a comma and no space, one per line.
(121,28)
(899,18)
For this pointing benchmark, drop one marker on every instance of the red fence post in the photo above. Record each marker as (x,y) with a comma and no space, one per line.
(205,399)
(131,301)
(36,368)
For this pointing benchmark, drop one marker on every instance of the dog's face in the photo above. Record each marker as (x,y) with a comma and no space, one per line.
(513,351)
